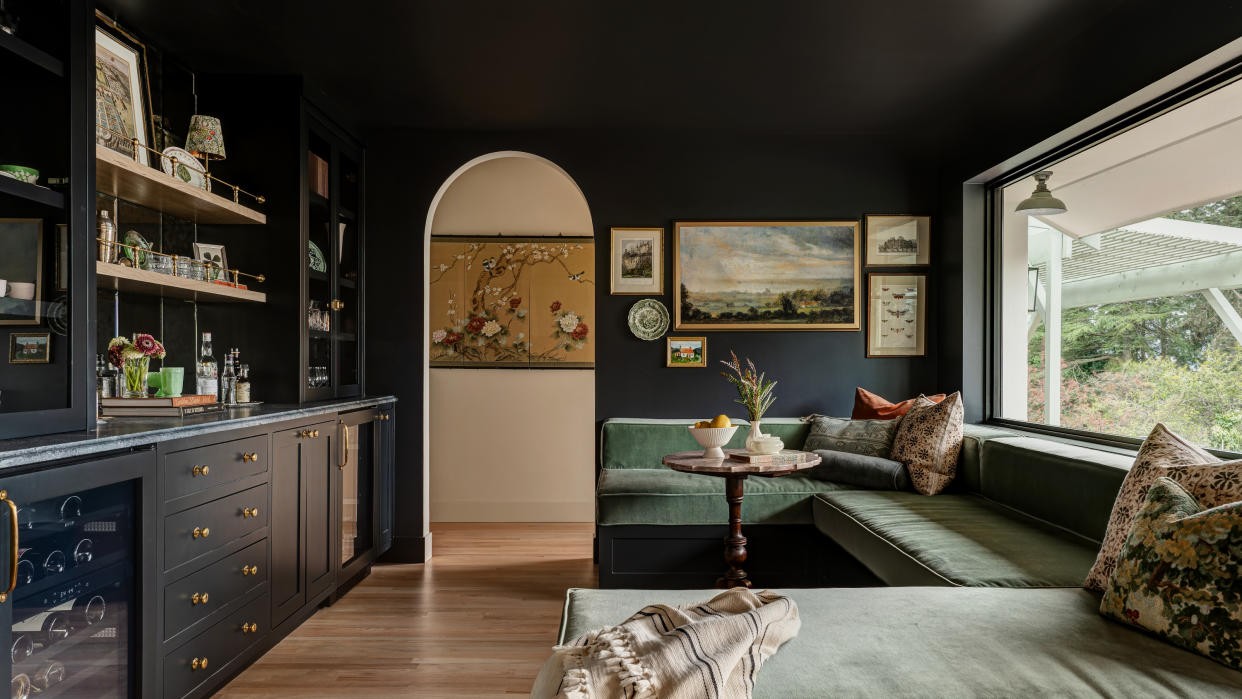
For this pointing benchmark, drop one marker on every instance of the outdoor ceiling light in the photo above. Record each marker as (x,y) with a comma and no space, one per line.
(1041,202)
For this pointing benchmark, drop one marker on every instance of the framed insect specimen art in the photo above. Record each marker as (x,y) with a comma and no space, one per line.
(896,315)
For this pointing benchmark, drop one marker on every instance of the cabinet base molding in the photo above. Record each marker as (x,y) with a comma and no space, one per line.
(408,549)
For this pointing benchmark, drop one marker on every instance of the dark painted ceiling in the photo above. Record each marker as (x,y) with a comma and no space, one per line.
(830,66)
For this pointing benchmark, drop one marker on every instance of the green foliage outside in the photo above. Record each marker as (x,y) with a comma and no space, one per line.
(1127,366)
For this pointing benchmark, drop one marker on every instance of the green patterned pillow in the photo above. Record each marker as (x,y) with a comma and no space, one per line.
(1178,574)
(867,437)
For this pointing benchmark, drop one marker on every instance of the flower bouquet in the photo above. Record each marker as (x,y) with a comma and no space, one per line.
(133,357)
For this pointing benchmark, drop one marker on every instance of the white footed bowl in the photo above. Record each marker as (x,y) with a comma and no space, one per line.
(712,439)
(767,444)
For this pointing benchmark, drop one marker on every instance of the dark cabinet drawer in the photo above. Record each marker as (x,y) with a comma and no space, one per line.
(203,529)
(199,595)
(195,470)
(198,661)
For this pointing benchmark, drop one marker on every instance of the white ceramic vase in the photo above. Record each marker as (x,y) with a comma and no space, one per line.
(756,433)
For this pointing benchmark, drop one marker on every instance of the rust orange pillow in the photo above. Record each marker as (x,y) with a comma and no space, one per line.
(869,406)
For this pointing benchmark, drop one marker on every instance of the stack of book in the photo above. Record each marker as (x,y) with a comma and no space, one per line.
(178,406)
(783,457)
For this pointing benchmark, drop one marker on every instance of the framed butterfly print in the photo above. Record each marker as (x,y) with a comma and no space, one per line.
(896,315)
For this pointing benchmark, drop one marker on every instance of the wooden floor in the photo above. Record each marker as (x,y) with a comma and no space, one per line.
(476,621)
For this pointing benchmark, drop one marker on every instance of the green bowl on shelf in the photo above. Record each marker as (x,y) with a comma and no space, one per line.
(20,173)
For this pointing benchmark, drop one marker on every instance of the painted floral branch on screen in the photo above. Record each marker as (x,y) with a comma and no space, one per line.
(481,329)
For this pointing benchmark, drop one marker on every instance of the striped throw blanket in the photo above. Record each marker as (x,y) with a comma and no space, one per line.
(712,649)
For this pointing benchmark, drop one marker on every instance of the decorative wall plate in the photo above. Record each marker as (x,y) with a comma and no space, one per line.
(648,319)
(178,163)
(317,261)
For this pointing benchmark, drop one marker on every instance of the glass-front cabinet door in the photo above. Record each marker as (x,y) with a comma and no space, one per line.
(72,613)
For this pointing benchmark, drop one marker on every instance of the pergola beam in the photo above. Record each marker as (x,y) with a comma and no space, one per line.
(1228,314)
(1215,272)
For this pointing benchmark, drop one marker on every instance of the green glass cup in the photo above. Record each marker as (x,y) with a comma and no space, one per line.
(169,381)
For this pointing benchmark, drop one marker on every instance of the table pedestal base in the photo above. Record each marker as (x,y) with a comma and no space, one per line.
(735,543)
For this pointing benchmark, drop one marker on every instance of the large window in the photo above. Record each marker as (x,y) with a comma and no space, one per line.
(1123,311)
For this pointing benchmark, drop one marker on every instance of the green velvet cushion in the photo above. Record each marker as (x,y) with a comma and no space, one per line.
(912,539)
(866,437)
(642,443)
(1070,486)
(973,437)
(937,642)
(665,496)
(1178,574)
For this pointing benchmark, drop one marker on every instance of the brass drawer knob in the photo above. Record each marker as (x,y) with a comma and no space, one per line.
(250,570)
(201,471)
(314,433)
(201,532)
(304,434)
(250,456)
(198,664)
(249,512)
(199,598)
(249,628)
(336,304)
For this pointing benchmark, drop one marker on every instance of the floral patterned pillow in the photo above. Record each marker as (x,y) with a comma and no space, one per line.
(867,437)
(928,442)
(1163,453)
(1178,574)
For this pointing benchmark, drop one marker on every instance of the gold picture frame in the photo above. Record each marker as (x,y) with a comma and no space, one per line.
(35,348)
(644,245)
(898,240)
(122,91)
(725,263)
(675,355)
(896,315)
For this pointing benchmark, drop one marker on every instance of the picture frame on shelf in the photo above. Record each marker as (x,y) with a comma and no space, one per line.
(215,260)
(898,240)
(30,348)
(21,271)
(896,315)
(767,275)
(685,352)
(637,261)
(122,91)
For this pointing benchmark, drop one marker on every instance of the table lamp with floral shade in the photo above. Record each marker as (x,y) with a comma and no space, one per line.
(206,141)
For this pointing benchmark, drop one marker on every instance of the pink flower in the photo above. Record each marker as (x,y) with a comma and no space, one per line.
(145,344)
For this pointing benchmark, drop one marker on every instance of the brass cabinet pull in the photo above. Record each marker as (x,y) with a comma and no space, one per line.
(250,512)
(250,570)
(250,456)
(336,304)
(201,471)
(345,462)
(198,664)
(14,554)
(201,532)
(304,434)
(199,598)
(249,628)
(314,433)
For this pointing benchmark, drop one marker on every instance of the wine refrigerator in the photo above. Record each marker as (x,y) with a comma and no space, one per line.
(71,612)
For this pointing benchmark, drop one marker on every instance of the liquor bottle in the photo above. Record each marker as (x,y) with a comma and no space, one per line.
(229,380)
(243,384)
(207,376)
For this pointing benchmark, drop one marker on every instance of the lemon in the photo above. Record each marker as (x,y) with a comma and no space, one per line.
(702,423)
(721,421)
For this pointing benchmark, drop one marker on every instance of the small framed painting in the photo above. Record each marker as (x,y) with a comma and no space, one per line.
(637,261)
(896,315)
(898,241)
(686,352)
(30,348)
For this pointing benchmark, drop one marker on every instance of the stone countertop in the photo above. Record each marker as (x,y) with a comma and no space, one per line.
(123,433)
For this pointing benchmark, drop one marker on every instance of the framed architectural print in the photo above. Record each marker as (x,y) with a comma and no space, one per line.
(896,315)
(898,241)
(21,271)
(122,91)
(637,261)
(686,352)
(767,275)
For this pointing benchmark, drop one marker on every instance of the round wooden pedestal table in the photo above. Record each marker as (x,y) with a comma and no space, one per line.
(735,473)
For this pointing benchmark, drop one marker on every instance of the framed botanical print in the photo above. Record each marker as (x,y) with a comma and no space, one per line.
(896,315)
(767,275)
(686,352)
(30,348)
(122,91)
(215,259)
(898,241)
(21,271)
(637,261)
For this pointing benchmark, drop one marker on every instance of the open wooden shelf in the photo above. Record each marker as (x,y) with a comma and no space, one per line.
(123,178)
(35,55)
(31,192)
(142,281)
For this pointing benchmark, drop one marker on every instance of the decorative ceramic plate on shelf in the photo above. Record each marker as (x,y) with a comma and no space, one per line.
(317,261)
(648,319)
(178,163)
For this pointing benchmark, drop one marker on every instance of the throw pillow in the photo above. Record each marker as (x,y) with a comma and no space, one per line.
(928,442)
(1163,453)
(870,437)
(872,472)
(1177,574)
(869,406)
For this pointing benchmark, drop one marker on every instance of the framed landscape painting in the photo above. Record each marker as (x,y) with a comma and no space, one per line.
(637,261)
(898,241)
(896,315)
(767,275)
(686,352)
